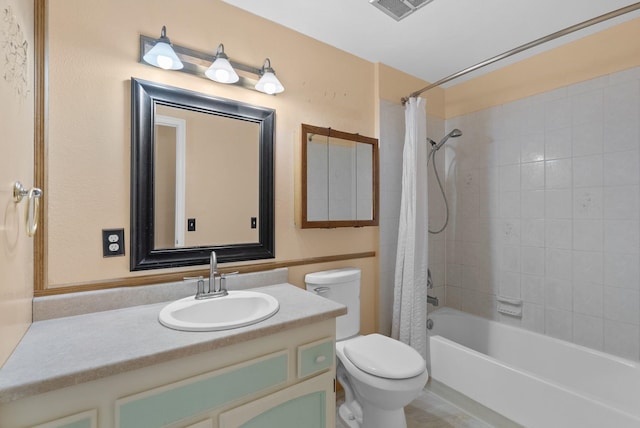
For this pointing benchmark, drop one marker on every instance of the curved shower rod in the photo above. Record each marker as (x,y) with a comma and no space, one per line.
(541,40)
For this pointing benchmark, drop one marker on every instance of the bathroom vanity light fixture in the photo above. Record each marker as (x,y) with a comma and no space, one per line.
(162,54)
(269,83)
(221,70)
(217,67)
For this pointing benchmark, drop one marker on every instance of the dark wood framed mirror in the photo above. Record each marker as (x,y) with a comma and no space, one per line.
(340,179)
(211,189)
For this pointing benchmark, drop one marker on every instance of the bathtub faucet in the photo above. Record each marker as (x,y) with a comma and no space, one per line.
(432,300)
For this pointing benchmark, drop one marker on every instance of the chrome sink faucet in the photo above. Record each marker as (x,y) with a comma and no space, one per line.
(213,270)
(217,283)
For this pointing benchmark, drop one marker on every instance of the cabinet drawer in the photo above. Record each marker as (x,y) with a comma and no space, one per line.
(88,419)
(172,403)
(315,357)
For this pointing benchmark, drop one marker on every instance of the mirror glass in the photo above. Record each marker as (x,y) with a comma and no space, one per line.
(202,178)
(340,176)
(192,151)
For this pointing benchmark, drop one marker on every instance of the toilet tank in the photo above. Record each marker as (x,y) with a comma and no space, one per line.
(342,286)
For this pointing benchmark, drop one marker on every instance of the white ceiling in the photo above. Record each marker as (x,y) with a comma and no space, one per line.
(441,38)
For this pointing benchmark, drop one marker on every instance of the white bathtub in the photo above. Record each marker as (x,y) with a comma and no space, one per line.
(530,378)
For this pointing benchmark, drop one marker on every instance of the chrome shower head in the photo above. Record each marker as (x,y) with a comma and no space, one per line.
(453,134)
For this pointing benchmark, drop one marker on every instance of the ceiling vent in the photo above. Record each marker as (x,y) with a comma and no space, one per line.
(399,9)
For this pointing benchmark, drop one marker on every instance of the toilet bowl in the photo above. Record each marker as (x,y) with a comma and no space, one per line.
(379,375)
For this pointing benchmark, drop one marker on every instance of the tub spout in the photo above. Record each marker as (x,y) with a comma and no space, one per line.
(432,300)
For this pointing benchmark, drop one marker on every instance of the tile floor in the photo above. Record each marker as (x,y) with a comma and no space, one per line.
(430,411)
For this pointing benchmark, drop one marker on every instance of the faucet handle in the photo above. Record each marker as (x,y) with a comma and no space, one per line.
(200,279)
(224,275)
(223,279)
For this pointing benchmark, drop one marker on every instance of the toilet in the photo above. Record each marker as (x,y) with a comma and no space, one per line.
(379,375)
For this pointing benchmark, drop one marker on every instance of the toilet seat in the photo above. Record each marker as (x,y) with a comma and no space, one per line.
(384,357)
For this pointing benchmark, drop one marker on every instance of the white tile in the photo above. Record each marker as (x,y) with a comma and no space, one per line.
(622,270)
(588,298)
(557,114)
(624,76)
(509,151)
(453,274)
(533,317)
(586,138)
(588,331)
(532,204)
(588,85)
(558,173)
(559,324)
(587,203)
(510,178)
(510,284)
(532,260)
(510,259)
(622,339)
(532,147)
(488,179)
(478,303)
(621,304)
(621,236)
(510,204)
(621,116)
(532,232)
(621,168)
(621,202)
(558,144)
(532,176)
(558,264)
(587,107)
(588,235)
(558,204)
(532,288)
(559,234)
(588,171)
(548,96)
(453,297)
(588,266)
(558,294)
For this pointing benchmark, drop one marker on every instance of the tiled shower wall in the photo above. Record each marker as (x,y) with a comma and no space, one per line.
(545,202)
(391,145)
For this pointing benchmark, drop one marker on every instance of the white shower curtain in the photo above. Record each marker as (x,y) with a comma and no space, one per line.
(410,285)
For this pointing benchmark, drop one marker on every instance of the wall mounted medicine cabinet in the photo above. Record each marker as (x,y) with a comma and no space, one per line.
(339,179)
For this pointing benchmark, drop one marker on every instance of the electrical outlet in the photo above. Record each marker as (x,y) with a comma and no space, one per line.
(112,242)
(191,225)
(254,222)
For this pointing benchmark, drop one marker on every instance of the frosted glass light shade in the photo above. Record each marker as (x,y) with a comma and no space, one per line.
(221,71)
(269,84)
(162,54)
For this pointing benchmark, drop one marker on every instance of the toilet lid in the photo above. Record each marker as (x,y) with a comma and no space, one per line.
(382,356)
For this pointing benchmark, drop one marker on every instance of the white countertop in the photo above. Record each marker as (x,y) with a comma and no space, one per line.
(61,352)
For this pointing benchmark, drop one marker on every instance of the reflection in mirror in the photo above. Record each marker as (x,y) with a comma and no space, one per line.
(216,147)
(201,178)
(339,175)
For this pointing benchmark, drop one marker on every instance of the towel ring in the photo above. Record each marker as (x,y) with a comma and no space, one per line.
(33,195)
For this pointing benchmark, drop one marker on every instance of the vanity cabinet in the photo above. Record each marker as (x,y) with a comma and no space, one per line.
(273,381)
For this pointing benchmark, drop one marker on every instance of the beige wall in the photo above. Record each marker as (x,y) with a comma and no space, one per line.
(89,124)
(605,52)
(16,163)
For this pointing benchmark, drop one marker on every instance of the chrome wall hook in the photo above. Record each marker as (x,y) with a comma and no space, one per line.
(19,192)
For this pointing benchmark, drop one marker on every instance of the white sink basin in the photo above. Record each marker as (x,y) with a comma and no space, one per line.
(237,309)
